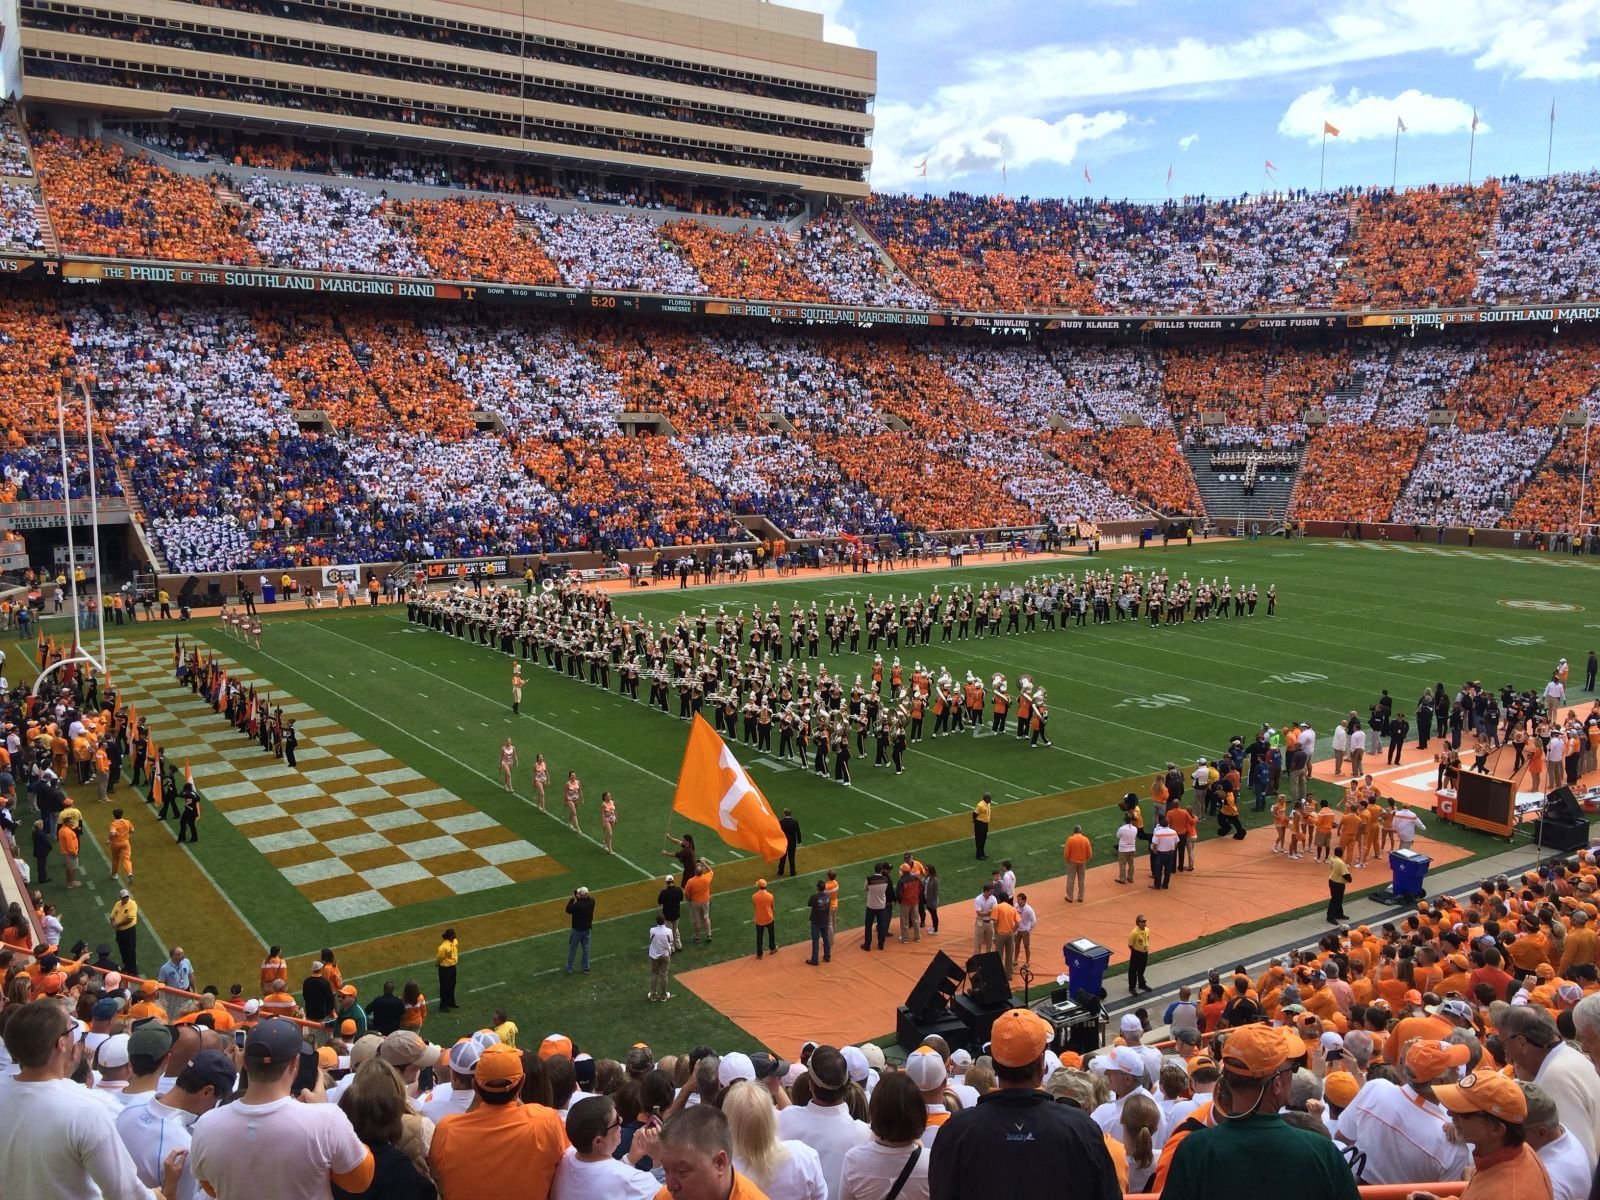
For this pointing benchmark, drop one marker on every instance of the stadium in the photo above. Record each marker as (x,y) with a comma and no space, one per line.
(500,507)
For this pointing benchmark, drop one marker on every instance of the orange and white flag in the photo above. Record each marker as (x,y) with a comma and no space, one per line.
(715,790)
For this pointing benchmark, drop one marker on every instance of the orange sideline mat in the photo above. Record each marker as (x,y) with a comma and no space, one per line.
(780,1002)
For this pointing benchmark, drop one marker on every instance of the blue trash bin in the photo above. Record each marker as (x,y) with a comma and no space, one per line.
(1086,964)
(1408,869)
(269,594)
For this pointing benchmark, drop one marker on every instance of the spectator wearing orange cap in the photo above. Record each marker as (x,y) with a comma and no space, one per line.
(1019,1142)
(1489,1111)
(1401,1129)
(501,1147)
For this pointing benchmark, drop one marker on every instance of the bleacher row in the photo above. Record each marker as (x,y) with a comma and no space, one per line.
(821,433)
(1503,241)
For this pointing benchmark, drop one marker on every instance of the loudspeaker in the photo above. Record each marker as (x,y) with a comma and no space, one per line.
(940,981)
(978,1017)
(1562,807)
(986,980)
(911,1031)
(1561,835)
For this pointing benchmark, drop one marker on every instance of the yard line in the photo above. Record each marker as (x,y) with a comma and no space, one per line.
(499,787)
(495,984)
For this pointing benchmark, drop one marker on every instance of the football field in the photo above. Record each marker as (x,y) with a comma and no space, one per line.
(395,823)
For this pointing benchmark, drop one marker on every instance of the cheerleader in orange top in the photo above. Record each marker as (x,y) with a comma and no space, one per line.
(416,1006)
(1280,822)
(572,798)
(541,776)
(608,817)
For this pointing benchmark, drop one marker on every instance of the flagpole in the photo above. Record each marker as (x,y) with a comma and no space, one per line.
(1472,146)
(1550,143)
(1394,176)
(1322,171)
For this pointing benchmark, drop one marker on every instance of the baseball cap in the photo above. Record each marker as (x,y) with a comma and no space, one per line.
(1331,1041)
(348,989)
(327,1058)
(1413,997)
(555,1044)
(113,1052)
(828,1068)
(1308,1022)
(1131,1024)
(104,1009)
(273,1041)
(874,1053)
(1019,1037)
(1257,1051)
(1458,1010)
(485,1038)
(856,1063)
(124,894)
(499,1069)
(365,1049)
(733,1067)
(347,1027)
(768,1065)
(1340,1087)
(405,1049)
(761,883)
(252,1007)
(464,1056)
(1486,1093)
(212,1067)
(1569,993)
(316,968)
(1127,1060)
(1430,1059)
(926,1069)
(150,1040)
(669,879)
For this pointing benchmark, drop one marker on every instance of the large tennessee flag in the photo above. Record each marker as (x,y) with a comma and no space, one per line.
(714,790)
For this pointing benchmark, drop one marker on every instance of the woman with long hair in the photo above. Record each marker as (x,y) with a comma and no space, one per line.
(375,1102)
(930,896)
(784,1170)
(541,776)
(898,1118)
(416,1006)
(1141,1117)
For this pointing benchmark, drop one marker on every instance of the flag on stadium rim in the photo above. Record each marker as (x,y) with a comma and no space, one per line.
(1328,127)
(1400,124)
(1270,167)
(922,168)
(1086,178)
(1475,116)
(714,790)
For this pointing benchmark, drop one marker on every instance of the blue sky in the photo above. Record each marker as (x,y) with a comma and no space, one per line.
(1127,88)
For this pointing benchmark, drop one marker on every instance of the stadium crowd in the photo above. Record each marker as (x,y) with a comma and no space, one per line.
(1458,1041)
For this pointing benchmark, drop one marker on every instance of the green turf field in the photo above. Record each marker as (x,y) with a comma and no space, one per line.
(1125,699)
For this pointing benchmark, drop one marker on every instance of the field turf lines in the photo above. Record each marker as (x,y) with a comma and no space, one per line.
(1125,699)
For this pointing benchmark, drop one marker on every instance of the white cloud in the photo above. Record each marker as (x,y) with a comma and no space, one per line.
(955,149)
(1359,118)
(834,28)
(1188,140)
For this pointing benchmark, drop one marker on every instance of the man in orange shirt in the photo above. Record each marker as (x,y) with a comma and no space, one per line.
(762,901)
(273,968)
(148,1005)
(697,891)
(696,1152)
(1349,832)
(1076,854)
(1006,919)
(1181,821)
(120,838)
(499,1147)
(1323,839)
(67,843)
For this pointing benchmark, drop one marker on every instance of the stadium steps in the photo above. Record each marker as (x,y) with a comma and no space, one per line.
(141,519)
(1224,500)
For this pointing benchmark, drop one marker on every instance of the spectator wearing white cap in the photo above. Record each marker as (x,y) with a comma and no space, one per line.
(1131,1028)
(925,1068)
(861,1072)
(112,1070)
(455,1095)
(783,1169)
(1126,1075)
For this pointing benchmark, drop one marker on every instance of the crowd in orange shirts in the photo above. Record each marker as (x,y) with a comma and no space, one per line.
(1418,247)
(1146,464)
(742,263)
(476,239)
(1354,473)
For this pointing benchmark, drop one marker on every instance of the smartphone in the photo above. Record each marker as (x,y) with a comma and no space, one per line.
(239,1036)
(305,1076)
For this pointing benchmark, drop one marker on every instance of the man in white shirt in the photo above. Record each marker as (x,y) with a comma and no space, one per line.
(111,1068)
(1560,1152)
(454,1096)
(1308,740)
(1127,847)
(1406,825)
(983,920)
(825,1123)
(300,1147)
(661,936)
(1538,1054)
(1125,1076)
(1027,918)
(153,1131)
(56,1141)
(1403,1131)
(587,1169)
